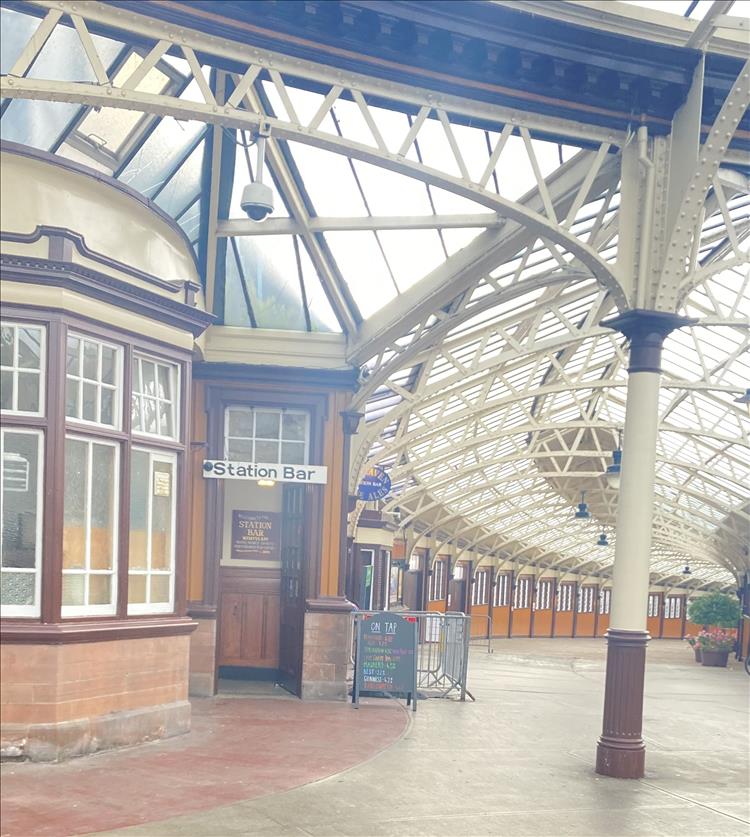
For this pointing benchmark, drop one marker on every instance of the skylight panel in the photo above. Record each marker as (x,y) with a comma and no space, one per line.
(109,128)
(36,123)
(184,185)
(329,182)
(154,161)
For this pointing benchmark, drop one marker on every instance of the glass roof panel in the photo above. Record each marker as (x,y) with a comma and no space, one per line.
(329,182)
(362,264)
(181,189)
(36,123)
(269,270)
(110,127)
(153,163)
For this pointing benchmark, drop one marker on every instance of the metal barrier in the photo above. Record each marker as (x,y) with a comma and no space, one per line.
(488,638)
(442,652)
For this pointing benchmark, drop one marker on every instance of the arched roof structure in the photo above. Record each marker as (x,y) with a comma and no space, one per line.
(457,191)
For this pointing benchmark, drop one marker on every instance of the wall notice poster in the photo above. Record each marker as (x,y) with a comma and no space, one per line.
(256,536)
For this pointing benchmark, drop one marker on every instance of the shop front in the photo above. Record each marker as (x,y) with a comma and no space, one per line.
(268,561)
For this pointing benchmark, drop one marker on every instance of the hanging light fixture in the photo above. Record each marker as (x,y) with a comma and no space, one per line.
(744,399)
(583,510)
(613,472)
(687,570)
(602,540)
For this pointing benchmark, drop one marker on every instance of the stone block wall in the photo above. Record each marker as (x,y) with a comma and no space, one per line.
(203,658)
(326,656)
(71,699)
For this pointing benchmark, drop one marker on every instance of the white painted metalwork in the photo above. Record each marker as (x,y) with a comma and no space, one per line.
(492,394)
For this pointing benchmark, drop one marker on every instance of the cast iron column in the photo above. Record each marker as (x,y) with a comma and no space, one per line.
(620,749)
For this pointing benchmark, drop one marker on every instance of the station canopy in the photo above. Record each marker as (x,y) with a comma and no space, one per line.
(465,243)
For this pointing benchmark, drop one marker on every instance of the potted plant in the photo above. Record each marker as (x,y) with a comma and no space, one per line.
(715,646)
(692,641)
(714,610)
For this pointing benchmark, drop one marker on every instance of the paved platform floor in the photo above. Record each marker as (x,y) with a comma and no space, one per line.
(516,762)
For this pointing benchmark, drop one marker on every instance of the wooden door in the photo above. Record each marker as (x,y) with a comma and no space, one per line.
(248,630)
(292,588)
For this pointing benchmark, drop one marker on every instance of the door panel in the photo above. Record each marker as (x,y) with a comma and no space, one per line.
(249,632)
(230,627)
(292,599)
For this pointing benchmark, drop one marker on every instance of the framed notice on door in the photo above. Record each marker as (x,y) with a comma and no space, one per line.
(256,536)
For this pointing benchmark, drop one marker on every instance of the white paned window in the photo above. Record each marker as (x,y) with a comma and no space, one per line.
(653,604)
(152,532)
(586,599)
(521,597)
(154,398)
(22,357)
(437,591)
(605,600)
(502,590)
(91,503)
(92,381)
(673,607)
(21,453)
(543,595)
(565,597)
(266,435)
(479,590)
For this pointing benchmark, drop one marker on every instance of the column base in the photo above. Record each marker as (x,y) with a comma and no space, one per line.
(621,762)
(621,751)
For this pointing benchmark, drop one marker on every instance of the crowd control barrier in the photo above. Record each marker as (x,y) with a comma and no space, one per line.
(442,651)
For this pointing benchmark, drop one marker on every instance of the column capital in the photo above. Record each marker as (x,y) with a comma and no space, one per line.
(351,419)
(646,331)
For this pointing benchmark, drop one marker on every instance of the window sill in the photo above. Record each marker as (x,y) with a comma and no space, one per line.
(27,632)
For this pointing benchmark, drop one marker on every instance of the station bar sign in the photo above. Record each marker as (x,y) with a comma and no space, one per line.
(224,469)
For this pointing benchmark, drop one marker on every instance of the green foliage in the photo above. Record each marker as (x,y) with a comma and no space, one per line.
(714,609)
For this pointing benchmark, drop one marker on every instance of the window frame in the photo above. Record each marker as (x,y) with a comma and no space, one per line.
(605,601)
(543,596)
(67,611)
(281,411)
(673,607)
(11,611)
(16,323)
(522,592)
(566,597)
(118,387)
(438,586)
(175,381)
(55,425)
(479,589)
(585,602)
(147,608)
(501,596)
(654,600)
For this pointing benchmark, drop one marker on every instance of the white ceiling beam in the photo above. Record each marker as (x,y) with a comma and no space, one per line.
(288,226)
(488,250)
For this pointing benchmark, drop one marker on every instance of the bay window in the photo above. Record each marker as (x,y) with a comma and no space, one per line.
(111,445)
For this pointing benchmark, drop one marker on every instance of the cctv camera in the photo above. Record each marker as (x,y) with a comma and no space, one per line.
(257,201)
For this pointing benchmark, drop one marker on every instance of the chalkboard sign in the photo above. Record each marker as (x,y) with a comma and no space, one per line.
(386,657)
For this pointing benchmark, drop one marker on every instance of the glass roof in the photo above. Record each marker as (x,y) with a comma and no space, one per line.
(494,405)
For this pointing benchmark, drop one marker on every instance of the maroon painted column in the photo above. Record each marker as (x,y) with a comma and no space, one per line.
(621,750)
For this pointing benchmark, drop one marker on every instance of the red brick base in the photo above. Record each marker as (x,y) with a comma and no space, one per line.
(70,699)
